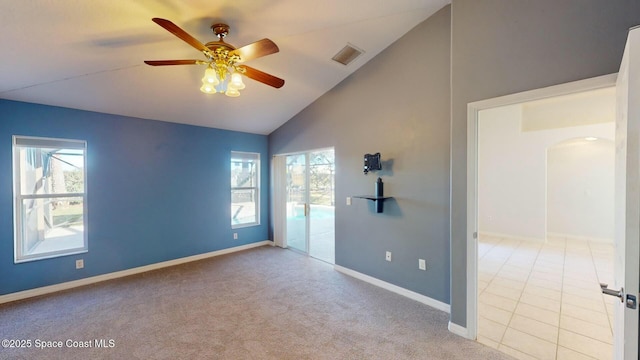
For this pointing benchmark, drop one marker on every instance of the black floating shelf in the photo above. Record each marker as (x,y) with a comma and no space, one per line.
(378,200)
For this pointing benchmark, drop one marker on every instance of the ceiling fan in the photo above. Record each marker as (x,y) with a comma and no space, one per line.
(225,63)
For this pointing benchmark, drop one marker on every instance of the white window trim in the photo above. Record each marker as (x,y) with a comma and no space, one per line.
(31,141)
(256,157)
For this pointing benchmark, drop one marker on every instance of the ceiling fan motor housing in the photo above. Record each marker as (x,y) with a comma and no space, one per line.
(220,30)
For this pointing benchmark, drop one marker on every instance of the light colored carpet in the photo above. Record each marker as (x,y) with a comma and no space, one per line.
(264,303)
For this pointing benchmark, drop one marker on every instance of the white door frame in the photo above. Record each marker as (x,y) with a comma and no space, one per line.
(473,110)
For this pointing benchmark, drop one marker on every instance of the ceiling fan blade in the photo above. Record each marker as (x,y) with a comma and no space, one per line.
(183,35)
(255,50)
(262,77)
(174,62)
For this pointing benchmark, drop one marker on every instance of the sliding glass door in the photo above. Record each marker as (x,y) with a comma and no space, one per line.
(297,206)
(310,203)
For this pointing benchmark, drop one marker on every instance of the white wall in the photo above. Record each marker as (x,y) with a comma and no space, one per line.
(513,170)
(510,198)
(580,189)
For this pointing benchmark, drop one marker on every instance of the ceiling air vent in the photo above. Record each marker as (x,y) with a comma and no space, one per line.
(347,54)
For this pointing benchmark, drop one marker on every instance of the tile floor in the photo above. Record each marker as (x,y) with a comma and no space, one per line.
(543,300)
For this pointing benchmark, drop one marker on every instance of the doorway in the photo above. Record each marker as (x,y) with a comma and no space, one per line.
(626,207)
(310,203)
(545,210)
(533,324)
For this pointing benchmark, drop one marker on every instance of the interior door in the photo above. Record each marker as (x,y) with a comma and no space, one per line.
(627,200)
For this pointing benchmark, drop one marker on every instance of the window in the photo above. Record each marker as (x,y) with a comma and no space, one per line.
(245,189)
(49,197)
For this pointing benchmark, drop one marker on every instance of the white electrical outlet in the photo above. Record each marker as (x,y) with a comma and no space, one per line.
(79,264)
(348,200)
(422,264)
(235,236)
(388,256)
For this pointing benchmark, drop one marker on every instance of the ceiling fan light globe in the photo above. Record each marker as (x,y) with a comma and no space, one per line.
(210,77)
(208,89)
(209,81)
(236,81)
(232,92)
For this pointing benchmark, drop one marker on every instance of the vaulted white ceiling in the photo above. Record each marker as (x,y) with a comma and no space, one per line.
(89,54)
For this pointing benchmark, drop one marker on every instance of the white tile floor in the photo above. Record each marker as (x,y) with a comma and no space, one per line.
(543,300)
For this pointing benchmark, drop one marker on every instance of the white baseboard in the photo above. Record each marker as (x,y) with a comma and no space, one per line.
(549,234)
(459,330)
(396,289)
(511,236)
(118,274)
(582,238)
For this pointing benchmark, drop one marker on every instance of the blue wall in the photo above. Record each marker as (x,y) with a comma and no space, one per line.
(156,191)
